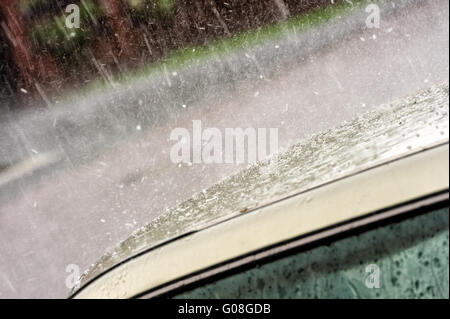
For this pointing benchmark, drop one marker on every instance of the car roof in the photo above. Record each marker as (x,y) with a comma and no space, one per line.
(392,131)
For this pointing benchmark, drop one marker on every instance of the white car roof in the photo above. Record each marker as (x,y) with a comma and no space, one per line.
(391,131)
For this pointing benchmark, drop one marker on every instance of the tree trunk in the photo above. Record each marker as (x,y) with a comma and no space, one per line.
(121,27)
(30,69)
(22,55)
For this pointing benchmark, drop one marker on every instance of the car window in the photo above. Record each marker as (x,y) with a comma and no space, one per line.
(351,267)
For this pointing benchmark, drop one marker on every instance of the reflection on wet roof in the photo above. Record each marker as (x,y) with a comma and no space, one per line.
(392,130)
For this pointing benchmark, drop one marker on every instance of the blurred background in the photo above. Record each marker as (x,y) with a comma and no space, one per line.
(41,58)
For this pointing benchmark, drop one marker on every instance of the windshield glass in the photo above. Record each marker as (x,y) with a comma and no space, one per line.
(158,117)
